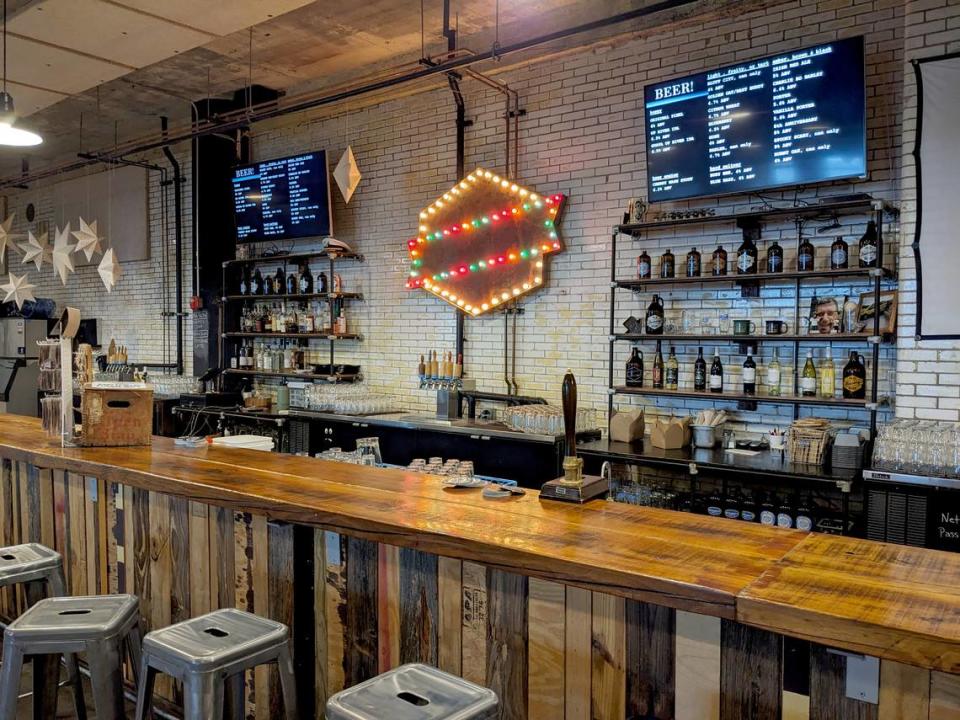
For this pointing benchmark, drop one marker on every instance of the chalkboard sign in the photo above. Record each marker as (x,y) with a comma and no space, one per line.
(945,519)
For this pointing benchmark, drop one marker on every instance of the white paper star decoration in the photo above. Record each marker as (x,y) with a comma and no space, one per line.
(36,250)
(109,270)
(18,289)
(88,241)
(62,250)
(347,174)
(5,234)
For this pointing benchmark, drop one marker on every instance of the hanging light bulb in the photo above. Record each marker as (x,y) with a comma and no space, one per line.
(10,135)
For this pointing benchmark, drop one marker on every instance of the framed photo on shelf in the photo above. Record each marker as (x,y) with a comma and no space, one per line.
(824,316)
(888,312)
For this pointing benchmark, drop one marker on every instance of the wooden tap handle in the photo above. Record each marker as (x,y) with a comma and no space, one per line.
(569,393)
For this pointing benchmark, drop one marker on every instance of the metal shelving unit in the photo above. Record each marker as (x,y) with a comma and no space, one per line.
(751,222)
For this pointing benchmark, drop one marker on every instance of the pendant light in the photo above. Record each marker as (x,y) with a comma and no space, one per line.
(10,135)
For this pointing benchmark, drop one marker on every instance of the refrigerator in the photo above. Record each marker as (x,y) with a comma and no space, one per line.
(19,364)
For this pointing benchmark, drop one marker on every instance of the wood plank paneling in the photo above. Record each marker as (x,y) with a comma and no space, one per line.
(697,667)
(474,631)
(360,627)
(904,692)
(507,641)
(201,559)
(281,596)
(419,607)
(609,657)
(90,517)
(751,665)
(546,609)
(243,567)
(828,698)
(223,577)
(259,553)
(161,574)
(44,480)
(77,535)
(336,610)
(180,558)
(450,591)
(388,607)
(320,658)
(944,696)
(7,509)
(578,661)
(114,537)
(651,639)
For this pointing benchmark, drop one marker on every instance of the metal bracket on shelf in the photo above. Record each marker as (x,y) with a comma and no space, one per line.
(844,486)
(614,284)
(875,339)
(862,676)
(611,391)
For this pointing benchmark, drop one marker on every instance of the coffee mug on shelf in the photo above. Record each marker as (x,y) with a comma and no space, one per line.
(743,327)
(776,327)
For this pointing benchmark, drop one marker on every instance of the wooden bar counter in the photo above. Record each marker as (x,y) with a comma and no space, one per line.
(603,611)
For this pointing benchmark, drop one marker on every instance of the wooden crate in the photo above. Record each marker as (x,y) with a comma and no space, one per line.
(117,414)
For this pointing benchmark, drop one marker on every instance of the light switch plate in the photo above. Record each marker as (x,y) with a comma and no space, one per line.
(862,677)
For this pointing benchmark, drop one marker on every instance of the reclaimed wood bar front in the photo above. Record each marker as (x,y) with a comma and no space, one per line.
(602,612)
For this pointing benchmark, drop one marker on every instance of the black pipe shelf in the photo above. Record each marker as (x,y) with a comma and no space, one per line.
(288,258)
(741,397)
(298,296)
(335,377)
(824,274)
(305,336)
(754,339)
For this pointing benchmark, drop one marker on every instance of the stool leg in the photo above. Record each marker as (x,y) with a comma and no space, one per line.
(58,586)
(10,679)
(104,660)
(76,682)
(235,705)
(202,697)
(134,641)
(145,690)
(287,683)
(46,674)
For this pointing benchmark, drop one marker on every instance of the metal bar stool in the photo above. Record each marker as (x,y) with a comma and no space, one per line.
(414,692)
(209,654)
(100,626)
(32,564)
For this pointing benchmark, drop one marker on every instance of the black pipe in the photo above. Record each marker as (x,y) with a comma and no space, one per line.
(178,247)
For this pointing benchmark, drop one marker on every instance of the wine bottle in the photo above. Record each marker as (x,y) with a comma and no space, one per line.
(854,378)
(667,265)
(673,370)
(235,359)
(747,257)
(719,261)
(643,266)
(700,372)
(768,512)
(293,284)
(245,281)
(693,263)
(869,246)
(658,368)
(839,254)
(805,515)
(749,374)
(806,256)
(774,258)
(256,283)
(635,369)
(279,282)
(748,508)
(773,375)
(323,288)
(808,379)
(716,373)
(731,506)
(306,280)
(715,504)
(654,319)
(828,376)
(785,514)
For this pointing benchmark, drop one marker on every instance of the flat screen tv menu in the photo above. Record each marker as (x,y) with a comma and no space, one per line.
(283,198)
(786,119)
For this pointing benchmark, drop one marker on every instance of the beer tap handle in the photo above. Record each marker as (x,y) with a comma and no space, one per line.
(569,393)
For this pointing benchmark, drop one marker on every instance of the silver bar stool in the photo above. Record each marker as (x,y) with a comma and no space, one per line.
(99,626)
(414,692)
(31,564)
(209,655)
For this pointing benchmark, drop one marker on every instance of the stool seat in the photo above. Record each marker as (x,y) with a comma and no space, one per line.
(67,619)
(215,640)
(27,562)
(414,692)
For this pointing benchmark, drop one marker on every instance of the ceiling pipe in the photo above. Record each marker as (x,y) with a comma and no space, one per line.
(178,246)
(273,109)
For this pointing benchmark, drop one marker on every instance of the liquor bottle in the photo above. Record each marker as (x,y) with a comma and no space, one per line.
(256,283)
(774,258)
(700,372)
(716,373)
(322,280)
(306,280)
(773,375)
(806,256)
(279,282)
(340,324)
(869,246)
(643,266)
(854,378)
(458,367)
(667,265)
(747,257)
(245,281)
(658,368)
(310,320)
(654,319)
(768,512)
(828,375)
(749,374)
(693,263)
(293,284)
(808,378)
(839,254)
(635,369)
(720,261)
(805,515)
(785,514)
(731,506)
(235,359)
(673,370)
(337,283)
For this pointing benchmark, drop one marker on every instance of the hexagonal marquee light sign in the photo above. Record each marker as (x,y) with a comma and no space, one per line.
(485,242)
